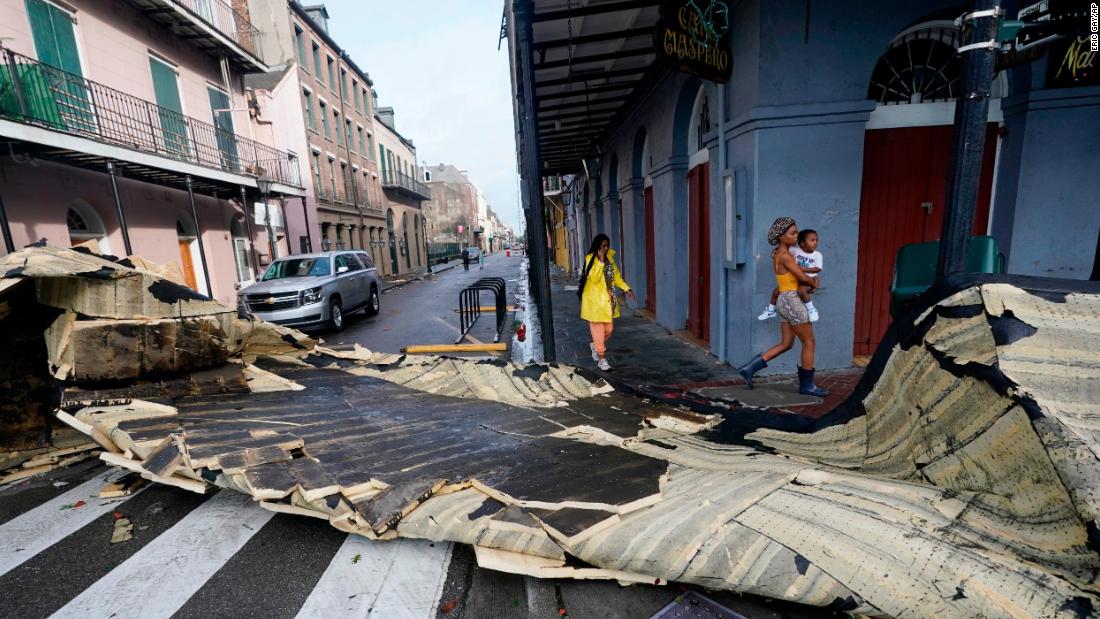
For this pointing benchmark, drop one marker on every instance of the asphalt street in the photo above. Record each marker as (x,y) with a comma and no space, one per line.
(423,312)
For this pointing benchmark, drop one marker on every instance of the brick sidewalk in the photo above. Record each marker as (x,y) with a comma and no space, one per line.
(641,352)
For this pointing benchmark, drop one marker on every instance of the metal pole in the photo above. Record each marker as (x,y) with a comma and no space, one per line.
(979,54)
(198,237)
(8,242)
(531,172)
(118,206)
(251,234)
(305,218)
(286,225)
(267,224)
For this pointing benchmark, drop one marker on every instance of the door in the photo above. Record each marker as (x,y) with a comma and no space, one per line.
(62,99)
(187,264)
(173,124)
(699,251)
(351,281)
(223,132)
(650,254)
(902,202)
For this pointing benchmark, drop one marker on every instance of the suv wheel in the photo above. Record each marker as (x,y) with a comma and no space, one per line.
(335,316)
(374,304)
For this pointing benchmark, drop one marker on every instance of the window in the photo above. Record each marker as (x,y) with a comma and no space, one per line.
(173,123)
(355,92)
(344,84)
(324,120)
(300,42)
(335,124)
(344,178)
(366,103)
(317,62)
(332,74)
(307,102)
(370,143)
(367,261)
(240,250)
(332,175)
(382,156)
(317,172)
(347,134)
(347,262)
(362,145)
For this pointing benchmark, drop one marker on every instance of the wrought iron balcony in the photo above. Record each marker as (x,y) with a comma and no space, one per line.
(400,182)
(211,24)
(38,94)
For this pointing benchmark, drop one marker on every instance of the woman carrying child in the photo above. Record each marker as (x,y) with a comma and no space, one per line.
(791,310)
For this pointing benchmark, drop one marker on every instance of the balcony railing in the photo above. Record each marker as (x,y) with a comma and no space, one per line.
(42,95)
(398,180)
(227,20)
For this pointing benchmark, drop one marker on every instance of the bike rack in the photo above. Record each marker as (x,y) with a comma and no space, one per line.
(469,305)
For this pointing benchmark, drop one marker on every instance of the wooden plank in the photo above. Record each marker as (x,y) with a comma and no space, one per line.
(163,460)
(383,512)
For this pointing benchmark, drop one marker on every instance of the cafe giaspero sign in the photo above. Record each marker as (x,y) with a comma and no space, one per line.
(694,36)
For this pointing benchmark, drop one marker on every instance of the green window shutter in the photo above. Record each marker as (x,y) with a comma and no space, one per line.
(54,37)
(224,134)
(172,123)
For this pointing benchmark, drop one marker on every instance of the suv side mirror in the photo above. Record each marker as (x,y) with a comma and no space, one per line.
(341,270)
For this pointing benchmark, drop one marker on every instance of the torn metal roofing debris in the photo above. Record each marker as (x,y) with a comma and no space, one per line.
(959,480)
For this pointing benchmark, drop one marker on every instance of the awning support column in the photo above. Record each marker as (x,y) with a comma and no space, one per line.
(971,114)
(198,237)
(118,205)
(532,176)
(309,236)
(251,234)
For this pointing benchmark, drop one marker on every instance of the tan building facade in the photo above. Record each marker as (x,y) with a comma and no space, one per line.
(404,192)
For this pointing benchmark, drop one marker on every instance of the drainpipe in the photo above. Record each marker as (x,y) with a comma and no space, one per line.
(198,237)
(8,242)
(251,234)
(722,285)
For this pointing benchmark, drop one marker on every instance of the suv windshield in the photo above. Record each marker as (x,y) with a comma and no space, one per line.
(297,267)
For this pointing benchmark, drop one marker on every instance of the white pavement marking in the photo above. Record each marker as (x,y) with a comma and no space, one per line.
(402,579)
(32,532)
(158,579)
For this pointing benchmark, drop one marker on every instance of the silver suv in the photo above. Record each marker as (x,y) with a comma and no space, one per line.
(315,289)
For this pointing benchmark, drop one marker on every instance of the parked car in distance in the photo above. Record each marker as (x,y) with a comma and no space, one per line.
(320,289)
(473,252)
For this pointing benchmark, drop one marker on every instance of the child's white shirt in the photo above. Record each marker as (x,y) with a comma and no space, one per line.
(807,260)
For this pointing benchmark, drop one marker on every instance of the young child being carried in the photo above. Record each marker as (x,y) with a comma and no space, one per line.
(809,259)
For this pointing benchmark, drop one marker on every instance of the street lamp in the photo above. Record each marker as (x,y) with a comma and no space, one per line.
(263,183)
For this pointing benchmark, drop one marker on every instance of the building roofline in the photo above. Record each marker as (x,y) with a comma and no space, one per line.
(300,10)
(404,140)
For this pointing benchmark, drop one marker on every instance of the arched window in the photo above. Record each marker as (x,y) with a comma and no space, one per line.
(85,224)
(700,122)
(920,66)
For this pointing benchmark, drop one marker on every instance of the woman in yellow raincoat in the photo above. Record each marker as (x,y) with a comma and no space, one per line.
(599,306)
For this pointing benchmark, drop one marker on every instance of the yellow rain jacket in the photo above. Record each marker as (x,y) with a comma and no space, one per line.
(595,301)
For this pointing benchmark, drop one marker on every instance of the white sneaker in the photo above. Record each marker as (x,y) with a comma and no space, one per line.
(603,365)
(595,355)
(812,312)
(769,312)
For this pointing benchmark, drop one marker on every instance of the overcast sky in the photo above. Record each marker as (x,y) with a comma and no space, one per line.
(436,63)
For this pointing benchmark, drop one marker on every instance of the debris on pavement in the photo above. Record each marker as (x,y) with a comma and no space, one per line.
(966,459)
(122,487)
(123,530)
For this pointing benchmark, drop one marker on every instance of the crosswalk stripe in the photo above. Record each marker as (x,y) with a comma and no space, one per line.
(32,532)
(159,579)
(399,579)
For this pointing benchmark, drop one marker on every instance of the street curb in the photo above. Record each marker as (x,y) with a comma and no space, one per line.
(386,289)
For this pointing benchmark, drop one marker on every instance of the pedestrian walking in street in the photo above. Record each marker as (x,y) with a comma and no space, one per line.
(480,260)
(792,311)
(466,258)
(807,257)
(599,305)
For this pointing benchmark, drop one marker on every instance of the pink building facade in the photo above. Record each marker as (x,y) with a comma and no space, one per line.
(133,127)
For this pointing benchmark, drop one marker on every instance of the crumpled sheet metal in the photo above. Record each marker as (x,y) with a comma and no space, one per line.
(960,480)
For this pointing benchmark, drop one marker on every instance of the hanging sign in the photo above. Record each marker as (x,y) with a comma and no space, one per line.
(694,35)
(1073,61)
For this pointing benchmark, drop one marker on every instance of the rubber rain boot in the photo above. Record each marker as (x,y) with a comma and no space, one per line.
(806,384)
(752,367)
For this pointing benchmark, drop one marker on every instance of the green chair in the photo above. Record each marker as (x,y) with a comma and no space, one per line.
(915,267)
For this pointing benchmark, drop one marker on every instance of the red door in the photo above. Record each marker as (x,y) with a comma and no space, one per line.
(902,202)
(699,251)
(650,255)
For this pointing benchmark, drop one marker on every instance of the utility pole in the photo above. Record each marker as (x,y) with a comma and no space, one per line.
(532,176)
(979,54)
